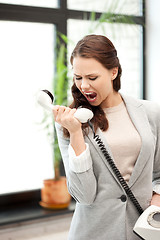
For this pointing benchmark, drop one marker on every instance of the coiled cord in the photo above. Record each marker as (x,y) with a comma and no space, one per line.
(116,170)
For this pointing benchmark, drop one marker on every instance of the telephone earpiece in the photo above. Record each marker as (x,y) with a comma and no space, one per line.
(46,99)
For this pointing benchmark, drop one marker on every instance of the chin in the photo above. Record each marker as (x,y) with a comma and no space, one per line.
(94,104)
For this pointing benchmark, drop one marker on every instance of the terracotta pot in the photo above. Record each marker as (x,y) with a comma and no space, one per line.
(54,194)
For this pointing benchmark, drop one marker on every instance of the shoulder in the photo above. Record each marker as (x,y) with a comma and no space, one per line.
(152,109)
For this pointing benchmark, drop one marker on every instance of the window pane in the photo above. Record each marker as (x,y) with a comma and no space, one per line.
(37,3)
(115,6)
(126,39)
(26,63)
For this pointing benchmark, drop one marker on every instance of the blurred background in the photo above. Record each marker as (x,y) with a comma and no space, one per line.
(32,34)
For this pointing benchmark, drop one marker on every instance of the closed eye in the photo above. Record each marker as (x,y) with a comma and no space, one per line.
(78,78)
(92,78)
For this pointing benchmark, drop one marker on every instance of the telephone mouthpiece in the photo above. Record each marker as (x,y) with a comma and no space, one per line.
(83,114)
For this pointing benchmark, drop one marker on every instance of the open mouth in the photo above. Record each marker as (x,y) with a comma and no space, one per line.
(91,96)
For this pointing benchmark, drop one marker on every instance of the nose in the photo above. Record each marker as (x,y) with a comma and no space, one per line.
(85,84)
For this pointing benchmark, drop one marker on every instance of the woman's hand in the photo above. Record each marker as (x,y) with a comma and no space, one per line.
(65,117)
(155,199)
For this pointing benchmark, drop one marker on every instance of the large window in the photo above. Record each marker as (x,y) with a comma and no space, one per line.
(26,62)
(37,3)
(131,7)
(28,31)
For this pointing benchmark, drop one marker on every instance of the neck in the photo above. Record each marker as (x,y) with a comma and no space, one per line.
(112,101)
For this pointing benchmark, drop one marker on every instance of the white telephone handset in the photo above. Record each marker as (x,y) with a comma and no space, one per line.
(46,99)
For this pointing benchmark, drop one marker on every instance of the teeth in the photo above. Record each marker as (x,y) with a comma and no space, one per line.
(88,93)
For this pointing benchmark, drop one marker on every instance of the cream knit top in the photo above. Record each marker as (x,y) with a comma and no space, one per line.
(123,139)
(124,142)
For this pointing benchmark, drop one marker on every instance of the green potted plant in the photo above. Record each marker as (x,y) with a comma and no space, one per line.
(54,194)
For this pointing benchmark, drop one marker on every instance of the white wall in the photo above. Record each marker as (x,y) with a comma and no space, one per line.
(153,49)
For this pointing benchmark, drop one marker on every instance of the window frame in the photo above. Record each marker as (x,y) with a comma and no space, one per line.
(58,17)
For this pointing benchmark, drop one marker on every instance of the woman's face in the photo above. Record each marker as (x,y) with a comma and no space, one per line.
(95,81)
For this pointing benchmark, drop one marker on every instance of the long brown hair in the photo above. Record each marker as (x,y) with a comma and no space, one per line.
(102,49)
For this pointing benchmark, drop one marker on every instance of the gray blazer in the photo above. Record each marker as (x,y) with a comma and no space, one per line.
(101,210)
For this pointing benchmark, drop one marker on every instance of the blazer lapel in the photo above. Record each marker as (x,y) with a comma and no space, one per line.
(139,118)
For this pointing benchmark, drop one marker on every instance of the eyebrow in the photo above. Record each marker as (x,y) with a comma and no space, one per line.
(86,75)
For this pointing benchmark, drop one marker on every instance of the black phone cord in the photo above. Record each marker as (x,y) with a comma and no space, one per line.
(116,170)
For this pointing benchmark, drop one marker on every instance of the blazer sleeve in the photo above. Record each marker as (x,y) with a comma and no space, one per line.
(82,185)
(153,112)
(156,166)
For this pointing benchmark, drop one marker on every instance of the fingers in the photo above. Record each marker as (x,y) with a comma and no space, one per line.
(65,117)
(155,200)
(55,111)
(61,112)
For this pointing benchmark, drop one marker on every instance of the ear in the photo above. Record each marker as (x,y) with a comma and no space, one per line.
(114,72)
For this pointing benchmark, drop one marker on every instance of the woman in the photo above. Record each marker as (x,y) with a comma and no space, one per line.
(130,130)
